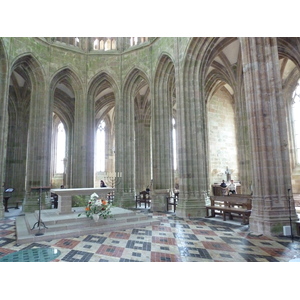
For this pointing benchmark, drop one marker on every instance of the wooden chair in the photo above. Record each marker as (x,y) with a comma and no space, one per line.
(172,201)
(143,197)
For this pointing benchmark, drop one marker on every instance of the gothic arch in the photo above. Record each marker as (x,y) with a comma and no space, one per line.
(290,48)
(137,88)
(30,125)
(65,88)
(104,91)
(290,73)
(134,133)
(193,139)
(102,94)
(66,98)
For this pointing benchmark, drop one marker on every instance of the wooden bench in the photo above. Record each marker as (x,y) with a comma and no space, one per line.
(232,206)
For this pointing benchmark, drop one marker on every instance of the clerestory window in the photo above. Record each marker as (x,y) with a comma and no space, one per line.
(100,147)
(61,148)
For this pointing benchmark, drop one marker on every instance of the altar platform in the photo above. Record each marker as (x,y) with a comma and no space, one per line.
(54,225)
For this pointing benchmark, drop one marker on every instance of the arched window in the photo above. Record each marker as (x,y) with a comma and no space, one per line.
(96,44)
(76,42)
(133,41)
(113,44)
(61,148)
(108,45)
(296,120)
(101,45)
(100,147)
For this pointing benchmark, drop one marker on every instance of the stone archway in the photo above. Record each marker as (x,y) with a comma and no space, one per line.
(103,92)
(68,104)
(29,119)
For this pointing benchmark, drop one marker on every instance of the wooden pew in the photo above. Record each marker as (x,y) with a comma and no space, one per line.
(234,206)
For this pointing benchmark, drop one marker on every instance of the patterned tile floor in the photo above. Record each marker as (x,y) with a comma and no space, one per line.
(174,240)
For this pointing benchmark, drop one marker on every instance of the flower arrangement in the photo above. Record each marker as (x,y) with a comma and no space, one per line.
(97,206)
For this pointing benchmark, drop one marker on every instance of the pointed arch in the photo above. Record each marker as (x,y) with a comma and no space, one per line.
(164,111)
(102,94)
(30,125)
(66,92)
(133,135)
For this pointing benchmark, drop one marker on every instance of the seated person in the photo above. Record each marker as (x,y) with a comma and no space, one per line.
(102,184)
(55,200)
(223,185)
(231,188)
(148,190)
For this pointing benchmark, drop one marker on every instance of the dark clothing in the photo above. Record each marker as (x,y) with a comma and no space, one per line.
(55,200)
(223,185)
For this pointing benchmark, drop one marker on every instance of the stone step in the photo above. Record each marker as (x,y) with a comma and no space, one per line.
(52,216)
(44,235)
(55,226)
(83,221)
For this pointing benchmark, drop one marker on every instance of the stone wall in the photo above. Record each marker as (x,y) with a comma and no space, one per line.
(222,137)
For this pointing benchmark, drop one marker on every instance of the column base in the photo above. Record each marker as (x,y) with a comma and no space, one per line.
(193,208)
(125,200)
(158,200)
(270,226)
(269,219)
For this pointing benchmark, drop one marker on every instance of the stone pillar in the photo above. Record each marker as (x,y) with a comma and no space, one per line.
(83,142)
(3,122)
(142,150)
(268,135)
(16,146)
(162,142)
(192,139)
(38,144)
(243,143)
(124,159)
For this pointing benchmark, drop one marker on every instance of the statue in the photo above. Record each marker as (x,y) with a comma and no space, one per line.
(228,174)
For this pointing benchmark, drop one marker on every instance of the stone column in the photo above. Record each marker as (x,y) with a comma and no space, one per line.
(268,135)
(242,135)
(83,142)
(162,141)
(4,82)
(38,144)
(124,159)
(142,157)
(192,138)
(16,146)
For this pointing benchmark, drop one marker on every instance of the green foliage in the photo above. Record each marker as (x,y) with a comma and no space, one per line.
(79,201)
(97,206)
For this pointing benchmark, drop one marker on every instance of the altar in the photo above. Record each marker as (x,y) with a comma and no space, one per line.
(65,196)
